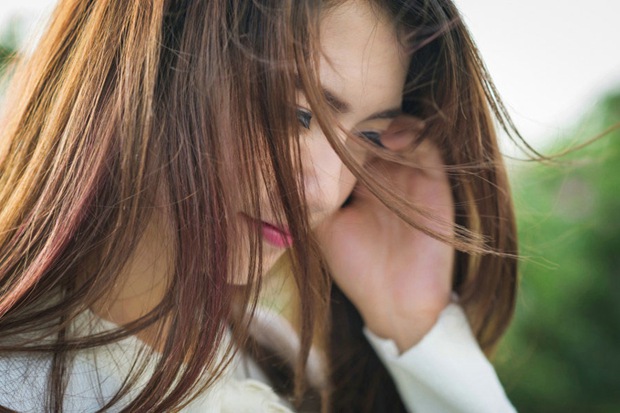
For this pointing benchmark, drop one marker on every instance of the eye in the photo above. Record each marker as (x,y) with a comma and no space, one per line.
(374,137)
(304,117)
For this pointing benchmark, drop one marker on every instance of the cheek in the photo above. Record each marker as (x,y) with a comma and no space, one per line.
(336,191)
(328,183)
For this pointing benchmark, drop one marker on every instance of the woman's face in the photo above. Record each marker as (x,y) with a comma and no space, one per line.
(362,72)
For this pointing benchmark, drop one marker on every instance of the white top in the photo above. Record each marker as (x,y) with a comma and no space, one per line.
(445,372)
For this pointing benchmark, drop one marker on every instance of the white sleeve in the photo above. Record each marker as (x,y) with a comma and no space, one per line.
(446,371)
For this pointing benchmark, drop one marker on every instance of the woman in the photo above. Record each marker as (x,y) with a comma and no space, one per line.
(159,157)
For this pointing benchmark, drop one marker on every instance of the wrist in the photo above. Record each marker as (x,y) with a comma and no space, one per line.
(405,333)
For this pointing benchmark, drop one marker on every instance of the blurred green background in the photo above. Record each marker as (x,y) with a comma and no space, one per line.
(562,353)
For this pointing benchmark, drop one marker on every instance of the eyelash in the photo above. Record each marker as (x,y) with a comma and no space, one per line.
(305,118)
(373,137)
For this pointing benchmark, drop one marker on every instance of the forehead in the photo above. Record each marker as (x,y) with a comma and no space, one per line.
(362,60)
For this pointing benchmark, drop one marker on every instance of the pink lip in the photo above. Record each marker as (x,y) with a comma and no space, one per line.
(272,234)
(276,236)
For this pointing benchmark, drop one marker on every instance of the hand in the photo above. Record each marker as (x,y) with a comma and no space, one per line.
(398,278)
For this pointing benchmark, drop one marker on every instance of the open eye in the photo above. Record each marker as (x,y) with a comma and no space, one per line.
(374,137)
(304,117)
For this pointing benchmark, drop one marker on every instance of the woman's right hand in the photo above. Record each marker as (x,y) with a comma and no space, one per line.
(399,278)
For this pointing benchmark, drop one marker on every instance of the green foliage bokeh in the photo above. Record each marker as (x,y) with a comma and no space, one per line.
(562,353)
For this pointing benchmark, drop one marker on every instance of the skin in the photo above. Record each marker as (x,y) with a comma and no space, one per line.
(397,277)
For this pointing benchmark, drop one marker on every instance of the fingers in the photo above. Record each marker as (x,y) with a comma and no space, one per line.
(429,171)
(426,186)
(420,178)
(405,139)
(402,133)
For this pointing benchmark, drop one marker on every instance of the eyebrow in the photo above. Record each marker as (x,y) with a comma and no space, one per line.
(341,106)
(386,114)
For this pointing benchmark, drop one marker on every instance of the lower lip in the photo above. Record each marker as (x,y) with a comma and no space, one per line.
(275,236)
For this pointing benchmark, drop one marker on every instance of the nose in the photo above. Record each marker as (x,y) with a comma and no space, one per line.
(327,180)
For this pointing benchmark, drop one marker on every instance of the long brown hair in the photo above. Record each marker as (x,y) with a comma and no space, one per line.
(449,87)
(126,105)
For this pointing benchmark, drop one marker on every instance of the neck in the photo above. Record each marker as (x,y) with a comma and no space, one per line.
(144,280)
